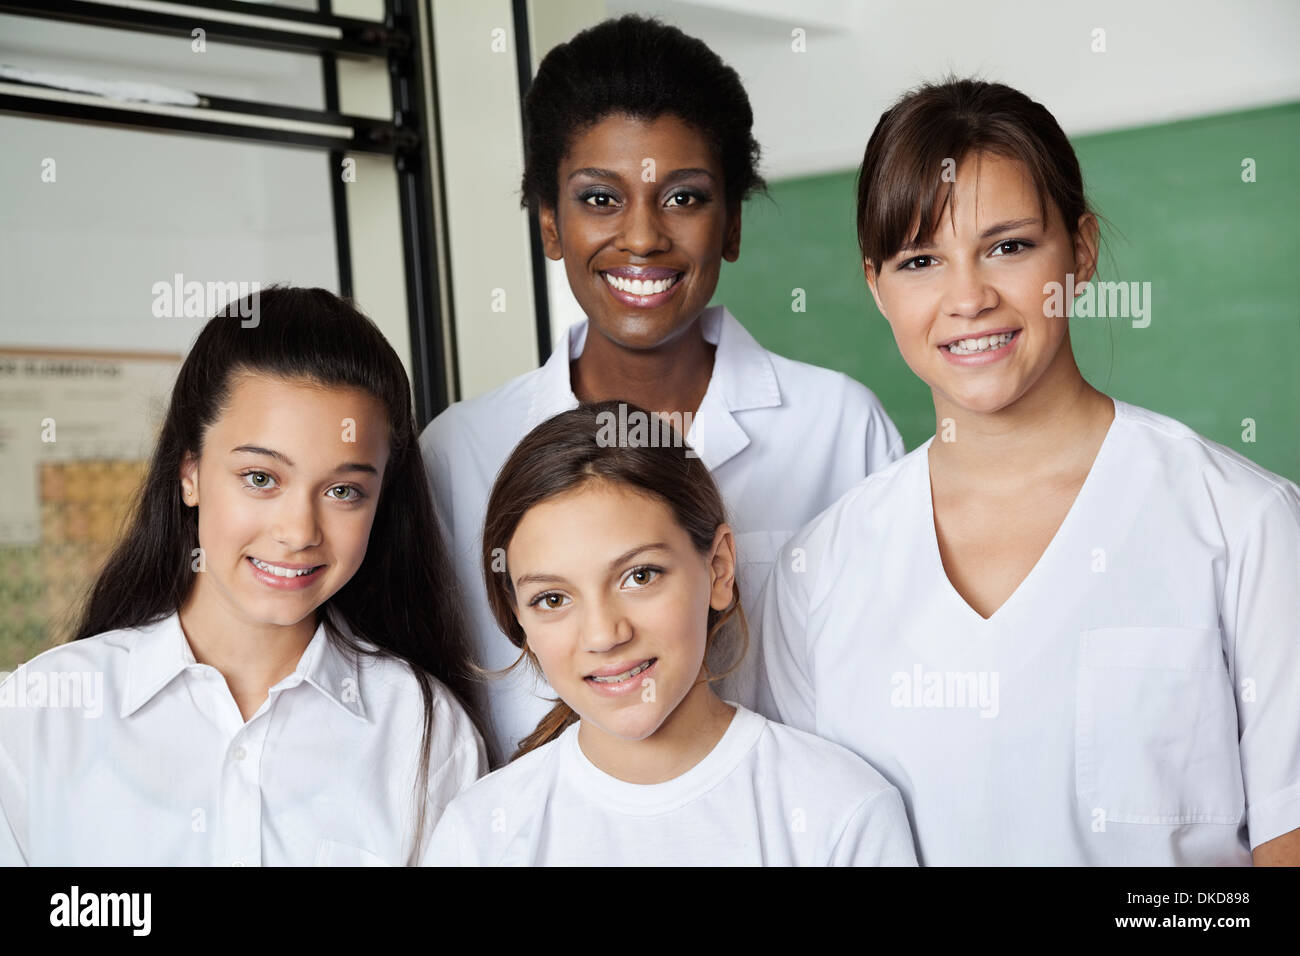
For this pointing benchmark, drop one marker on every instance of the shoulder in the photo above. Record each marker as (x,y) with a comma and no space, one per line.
(391,692)
(84,678)
(475,420)
(102,653)
(868,506)
(514,790)
(825,389)
(803,384)
(1188,460)
(832,770)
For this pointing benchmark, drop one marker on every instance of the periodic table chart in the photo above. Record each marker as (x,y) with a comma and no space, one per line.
(76,433)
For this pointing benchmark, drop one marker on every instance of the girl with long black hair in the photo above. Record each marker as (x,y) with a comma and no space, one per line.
(272,667)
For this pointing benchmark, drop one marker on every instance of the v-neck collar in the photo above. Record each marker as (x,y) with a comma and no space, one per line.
(1099,461)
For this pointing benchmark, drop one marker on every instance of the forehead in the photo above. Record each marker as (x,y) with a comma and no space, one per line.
(623,139)
(989,188)
(589,525)
(303,419)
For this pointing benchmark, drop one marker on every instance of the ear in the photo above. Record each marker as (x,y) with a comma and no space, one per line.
(731,244)
(722,566)
(550,228)
(1086,242)
(869,271)
(189,477)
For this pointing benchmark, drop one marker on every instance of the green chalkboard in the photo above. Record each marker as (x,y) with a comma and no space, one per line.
(1222,257)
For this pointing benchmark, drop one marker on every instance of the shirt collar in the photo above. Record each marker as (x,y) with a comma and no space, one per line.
(743,378)
(161,651)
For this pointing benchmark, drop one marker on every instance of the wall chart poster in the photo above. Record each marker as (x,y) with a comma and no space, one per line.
(76,432)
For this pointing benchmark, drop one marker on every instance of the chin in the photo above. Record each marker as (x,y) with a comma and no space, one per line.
(640,332)
(630,723)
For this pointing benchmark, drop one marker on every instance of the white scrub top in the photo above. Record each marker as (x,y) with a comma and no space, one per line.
(782,439)
(1136,701)
(122,750)
(765,795)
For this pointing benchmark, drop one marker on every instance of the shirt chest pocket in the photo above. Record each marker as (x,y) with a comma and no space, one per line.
(1156,727)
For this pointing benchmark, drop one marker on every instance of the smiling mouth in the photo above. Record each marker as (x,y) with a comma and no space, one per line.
(641,286)
(625,676)
(283,572)
(982,343)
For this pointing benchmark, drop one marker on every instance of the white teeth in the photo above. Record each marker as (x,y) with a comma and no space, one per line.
(640,286)
(626,675)
(281,572)
(982,344)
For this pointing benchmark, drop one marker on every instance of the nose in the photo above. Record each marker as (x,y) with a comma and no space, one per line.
(295,525)
(968,294)
(605,627)
(642,232)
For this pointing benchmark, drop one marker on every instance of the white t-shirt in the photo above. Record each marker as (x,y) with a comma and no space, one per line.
(1136,701)
(782,439)
(121,750)
(765,795)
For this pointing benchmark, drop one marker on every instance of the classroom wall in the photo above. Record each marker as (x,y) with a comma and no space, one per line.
(1223,343)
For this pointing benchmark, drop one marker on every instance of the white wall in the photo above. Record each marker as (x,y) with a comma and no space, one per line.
(1164,60)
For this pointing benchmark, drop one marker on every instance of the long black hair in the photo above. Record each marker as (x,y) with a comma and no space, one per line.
(403,599)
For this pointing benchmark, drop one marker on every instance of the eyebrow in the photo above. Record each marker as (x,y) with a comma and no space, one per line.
(675,176)
(540,578)
(347,466)
(988,233)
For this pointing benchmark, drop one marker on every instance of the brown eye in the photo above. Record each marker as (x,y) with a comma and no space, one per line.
(640,577)
(549,600)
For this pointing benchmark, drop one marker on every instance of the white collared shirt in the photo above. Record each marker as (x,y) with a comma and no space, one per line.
(1134,702)
(782,439)
(765,795)
(121,750)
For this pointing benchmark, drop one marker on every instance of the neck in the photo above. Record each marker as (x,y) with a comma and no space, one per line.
(684,739)
(1039,434)
(672,377)
(251,655)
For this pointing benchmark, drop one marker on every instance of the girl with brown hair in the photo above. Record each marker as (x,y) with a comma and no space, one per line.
(610,565)
(1065,626)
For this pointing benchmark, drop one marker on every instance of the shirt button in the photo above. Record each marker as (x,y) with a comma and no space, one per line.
(238,863)
(240,753)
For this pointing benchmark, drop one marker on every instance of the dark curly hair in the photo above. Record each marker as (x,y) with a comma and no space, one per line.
(643,68)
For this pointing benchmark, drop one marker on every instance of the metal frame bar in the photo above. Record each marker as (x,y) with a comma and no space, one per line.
(367,135)
(347,35)
(415,200)
(338,189)
(406,138)
(541,299)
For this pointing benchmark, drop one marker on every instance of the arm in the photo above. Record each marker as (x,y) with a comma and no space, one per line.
(877,834)
(1260,612)
(1279,851)
(13,790)
(884,443)
(784,689)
